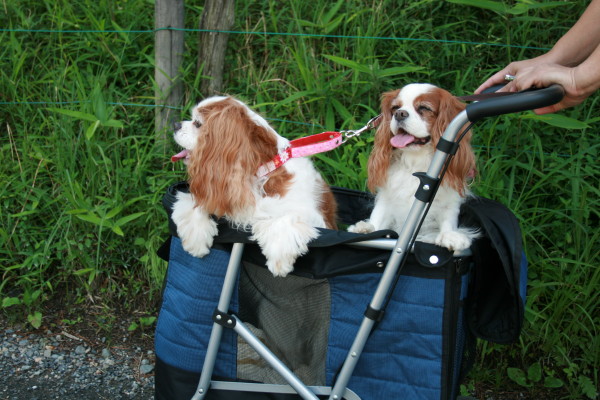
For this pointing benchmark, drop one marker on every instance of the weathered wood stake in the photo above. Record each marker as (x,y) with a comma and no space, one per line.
(169,49)
(217,15)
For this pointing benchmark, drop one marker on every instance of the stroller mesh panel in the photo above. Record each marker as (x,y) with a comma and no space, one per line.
(291,316)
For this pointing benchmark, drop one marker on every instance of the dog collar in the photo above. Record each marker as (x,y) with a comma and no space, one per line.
(302,147)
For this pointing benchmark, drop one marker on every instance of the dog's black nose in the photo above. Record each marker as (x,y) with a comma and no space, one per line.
(176,126)
(400,115)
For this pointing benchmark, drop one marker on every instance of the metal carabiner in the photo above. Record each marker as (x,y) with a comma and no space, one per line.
(372,124)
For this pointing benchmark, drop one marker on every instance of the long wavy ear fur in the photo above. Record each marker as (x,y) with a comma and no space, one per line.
(463,163)
(223,165)
(379,160)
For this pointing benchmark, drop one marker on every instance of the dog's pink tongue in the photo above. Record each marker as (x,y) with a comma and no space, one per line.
(181,155)
(401,140)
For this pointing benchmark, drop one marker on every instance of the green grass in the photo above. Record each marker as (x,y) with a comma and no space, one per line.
(83,171)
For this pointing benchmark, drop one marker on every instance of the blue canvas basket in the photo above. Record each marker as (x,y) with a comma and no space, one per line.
(420,349)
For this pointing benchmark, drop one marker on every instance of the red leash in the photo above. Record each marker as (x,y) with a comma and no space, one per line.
(302,147)
(314,144)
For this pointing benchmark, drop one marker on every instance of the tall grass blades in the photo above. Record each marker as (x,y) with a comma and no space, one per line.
(83,171)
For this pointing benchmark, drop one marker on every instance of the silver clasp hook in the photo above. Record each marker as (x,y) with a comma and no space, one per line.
(372,124)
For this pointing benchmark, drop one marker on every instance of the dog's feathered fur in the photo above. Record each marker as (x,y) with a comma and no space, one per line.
(226,143)
(414,119)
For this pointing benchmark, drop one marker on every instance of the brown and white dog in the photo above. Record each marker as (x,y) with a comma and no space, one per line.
(414,119)
(225,144)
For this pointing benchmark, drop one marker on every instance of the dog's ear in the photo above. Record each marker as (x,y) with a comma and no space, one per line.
(379,160)
(463,162)
(448,108)
(223,165)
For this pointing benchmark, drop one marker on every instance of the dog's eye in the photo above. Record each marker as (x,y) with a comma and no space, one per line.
(197,124)
(394,108)
(423,109)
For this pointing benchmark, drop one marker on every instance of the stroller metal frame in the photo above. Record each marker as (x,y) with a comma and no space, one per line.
(399,251)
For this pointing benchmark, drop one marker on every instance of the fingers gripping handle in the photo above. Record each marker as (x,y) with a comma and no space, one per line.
(522,101)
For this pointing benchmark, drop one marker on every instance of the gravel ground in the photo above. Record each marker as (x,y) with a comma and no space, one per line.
(60,361)
(47,364)
(57,364)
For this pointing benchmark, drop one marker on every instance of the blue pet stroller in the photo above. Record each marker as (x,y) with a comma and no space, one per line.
(362,317)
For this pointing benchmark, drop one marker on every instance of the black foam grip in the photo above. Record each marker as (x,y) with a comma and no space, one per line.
(521,101)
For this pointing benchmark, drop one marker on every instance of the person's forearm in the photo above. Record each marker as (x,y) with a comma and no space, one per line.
(580,41)
(587,74)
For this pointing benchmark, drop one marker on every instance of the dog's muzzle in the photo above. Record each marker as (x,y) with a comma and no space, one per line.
(400,115)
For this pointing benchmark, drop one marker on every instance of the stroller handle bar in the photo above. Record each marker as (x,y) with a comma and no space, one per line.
(521,101)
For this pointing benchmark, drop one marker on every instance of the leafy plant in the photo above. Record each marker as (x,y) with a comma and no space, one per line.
(28,300)
(532,376)
(502,8)
(84,171)
(142,323)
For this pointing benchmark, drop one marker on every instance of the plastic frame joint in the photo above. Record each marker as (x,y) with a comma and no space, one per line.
(447,146)
(223,319)
(427,187)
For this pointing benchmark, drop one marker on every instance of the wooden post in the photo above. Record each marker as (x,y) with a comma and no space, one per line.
(169,49)
(217,15)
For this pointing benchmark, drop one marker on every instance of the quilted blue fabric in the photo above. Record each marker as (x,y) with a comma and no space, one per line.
(403,357)
(185,322)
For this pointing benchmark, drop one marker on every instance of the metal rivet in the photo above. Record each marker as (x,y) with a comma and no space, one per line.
(379,264)
(229,321)
(353,354)
(434,259)
(218,317)
(425,187)
(398,250)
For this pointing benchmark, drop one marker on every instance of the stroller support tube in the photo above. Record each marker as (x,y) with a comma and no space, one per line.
(240,328)
(272,359)
(217,330)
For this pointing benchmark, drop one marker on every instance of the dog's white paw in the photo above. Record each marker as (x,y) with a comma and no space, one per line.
(282,240)
(195,228)
(361,227)
(197,240)
(453,240)
(281,267)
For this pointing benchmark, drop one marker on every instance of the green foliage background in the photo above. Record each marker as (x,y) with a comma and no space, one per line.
(83,171)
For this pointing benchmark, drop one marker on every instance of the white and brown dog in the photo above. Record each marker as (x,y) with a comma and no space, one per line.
(414,119)
(225,144)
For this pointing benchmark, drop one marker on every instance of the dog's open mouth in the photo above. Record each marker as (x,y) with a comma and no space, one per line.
(182,155)
(403,139)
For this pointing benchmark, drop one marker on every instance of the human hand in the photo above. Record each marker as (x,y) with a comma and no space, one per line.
(511,69)
(541,76)
(536,73)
